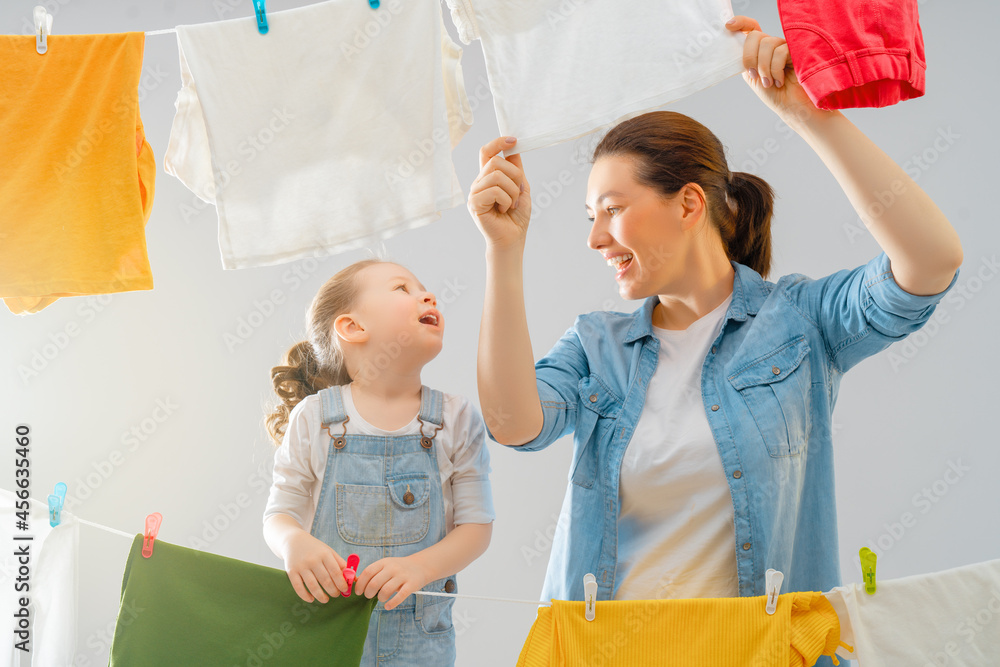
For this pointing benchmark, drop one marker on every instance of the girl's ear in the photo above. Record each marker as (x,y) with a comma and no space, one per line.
(349,329)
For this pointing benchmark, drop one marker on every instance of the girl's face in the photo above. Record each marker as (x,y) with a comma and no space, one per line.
(643,236)
(396,313)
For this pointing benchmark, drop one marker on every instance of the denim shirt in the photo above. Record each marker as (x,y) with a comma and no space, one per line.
(769,385)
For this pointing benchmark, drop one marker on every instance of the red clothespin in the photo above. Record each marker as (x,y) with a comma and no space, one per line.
(152,528)
(351,572)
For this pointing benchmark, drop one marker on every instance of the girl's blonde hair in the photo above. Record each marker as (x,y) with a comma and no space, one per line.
(317,362)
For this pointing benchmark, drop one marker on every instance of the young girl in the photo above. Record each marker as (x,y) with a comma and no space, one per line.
(373,462)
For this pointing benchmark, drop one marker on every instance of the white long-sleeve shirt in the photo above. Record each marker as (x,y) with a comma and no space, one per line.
(462,457)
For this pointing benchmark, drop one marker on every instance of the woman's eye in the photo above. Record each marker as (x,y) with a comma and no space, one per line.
(613,208)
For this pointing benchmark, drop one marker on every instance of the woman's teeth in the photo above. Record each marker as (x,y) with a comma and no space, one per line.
(616,262)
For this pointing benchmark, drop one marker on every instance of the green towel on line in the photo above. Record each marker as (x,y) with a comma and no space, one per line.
(187,607)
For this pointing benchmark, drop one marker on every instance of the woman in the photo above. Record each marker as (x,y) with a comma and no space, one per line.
(702,422)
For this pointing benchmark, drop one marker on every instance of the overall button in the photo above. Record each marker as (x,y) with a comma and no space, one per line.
(408,496)
(713,349)
(746,546)
(775,370)
(449,586)
(737,474)
(593,398)
(714,408)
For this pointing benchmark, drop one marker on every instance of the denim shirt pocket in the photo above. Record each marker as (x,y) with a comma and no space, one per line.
(776,388)
(601,407)
(380,516)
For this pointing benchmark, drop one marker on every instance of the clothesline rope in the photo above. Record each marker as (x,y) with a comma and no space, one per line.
(449,595)
(160,32)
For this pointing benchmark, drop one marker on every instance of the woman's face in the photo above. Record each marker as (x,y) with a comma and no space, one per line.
(395,313)
(633,221)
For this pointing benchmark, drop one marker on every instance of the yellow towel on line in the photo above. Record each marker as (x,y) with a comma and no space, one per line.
(720,632)
(76,172)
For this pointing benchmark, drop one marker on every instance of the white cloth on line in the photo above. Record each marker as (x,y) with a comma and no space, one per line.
(332,130)
(950,617)
(676,533)
(462,457)
(560,69)
(53,588)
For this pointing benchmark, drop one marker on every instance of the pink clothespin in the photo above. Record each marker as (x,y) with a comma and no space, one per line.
(152,529)
(351,572)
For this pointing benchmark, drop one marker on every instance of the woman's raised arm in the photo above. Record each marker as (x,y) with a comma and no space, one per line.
(923,247)
(500,202)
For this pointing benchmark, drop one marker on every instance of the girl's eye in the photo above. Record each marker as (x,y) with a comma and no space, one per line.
(401,285)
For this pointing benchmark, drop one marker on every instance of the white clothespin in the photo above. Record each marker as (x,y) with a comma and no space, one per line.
(773,583)
(590,594)
(43,28)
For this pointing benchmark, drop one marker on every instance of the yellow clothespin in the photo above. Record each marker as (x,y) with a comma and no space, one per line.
(868,558)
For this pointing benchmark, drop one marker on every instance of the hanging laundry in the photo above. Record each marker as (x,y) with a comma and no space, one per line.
(947,618)
(76,172)
(52,556)
(182,606)
(721,632)
(855,53)
(559,70)
(333,129)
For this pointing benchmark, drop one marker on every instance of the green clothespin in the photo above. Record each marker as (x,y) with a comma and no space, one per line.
(868,558)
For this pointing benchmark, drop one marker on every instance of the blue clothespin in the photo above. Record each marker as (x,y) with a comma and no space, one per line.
(373,4)
(56,501)
(258,8)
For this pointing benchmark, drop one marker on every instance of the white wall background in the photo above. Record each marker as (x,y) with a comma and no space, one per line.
(900,425)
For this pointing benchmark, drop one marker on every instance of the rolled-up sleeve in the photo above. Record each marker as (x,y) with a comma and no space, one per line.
(861,311)
(293,475)
(557,378)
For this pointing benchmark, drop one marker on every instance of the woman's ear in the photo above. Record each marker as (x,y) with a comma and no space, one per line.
(692,201)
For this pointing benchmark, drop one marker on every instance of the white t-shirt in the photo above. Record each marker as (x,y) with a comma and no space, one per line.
(676,535)
(559,69)
(462,457)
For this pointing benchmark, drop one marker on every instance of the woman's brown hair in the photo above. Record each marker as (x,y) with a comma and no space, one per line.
(670,150)
(317,362)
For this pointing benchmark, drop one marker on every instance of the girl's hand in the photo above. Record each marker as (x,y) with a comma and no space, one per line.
(500,197)
(391,575)
(770,72)
(314,568)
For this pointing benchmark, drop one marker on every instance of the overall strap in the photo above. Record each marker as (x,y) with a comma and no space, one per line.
(431,405)
(431,410)
(333,405)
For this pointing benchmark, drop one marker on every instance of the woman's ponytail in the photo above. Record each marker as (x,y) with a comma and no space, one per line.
(745,225)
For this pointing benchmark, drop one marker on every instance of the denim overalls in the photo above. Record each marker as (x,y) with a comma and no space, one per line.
(381,496)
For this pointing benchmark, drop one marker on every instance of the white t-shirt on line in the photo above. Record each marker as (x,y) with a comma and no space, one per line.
(676,535)
(462,457)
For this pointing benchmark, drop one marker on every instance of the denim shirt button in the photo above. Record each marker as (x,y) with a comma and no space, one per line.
(714,408)
(713,349)
(775,370)
(737,474)
(746,546)
(593,398)
(449,586)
